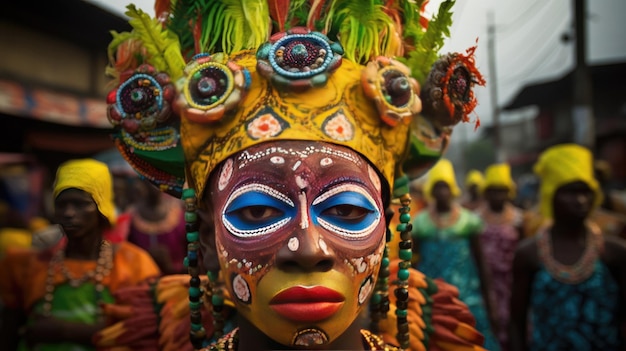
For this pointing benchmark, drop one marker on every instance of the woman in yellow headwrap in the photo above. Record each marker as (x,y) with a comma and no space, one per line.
(473,185)
(446,238)
(53,297)
(502,231)
(288,128)
(569,277)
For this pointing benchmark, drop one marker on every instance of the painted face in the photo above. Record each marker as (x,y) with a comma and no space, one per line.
(300,239)
(77,212)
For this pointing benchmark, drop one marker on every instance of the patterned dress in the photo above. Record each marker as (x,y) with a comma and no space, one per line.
(575,317)
(499,241)
(445,252)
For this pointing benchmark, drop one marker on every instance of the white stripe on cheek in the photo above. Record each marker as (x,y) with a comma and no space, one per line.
(323,246)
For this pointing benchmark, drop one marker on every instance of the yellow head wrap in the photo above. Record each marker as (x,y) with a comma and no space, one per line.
(474,177)
(499,175)
(443,171)
(91,176)
(561,165)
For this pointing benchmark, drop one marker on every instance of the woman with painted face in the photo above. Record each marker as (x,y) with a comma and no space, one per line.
(447,230)
(52,298)
(287,148)
(570,277)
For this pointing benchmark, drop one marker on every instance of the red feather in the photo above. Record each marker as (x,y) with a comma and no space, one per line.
(314,12)
(162,8)
(278,11)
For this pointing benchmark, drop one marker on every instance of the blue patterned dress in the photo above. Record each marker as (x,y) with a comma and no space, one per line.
(575,317)
(446,253)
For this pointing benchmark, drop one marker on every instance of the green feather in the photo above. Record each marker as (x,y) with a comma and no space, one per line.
(246,24)
(427,48)
(362,27)
(298,11)
(118,38)
(161,44)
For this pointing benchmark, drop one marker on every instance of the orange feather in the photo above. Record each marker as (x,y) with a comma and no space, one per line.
(278,11)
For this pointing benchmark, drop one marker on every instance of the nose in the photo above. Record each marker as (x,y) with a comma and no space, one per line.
(583,198)
(304,252)
(66,210)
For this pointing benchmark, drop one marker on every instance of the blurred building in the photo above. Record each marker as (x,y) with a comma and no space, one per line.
(551,120)
(52,83)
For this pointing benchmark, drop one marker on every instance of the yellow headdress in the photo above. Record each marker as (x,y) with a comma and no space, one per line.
(92,177)
(499,175)
(563,164)
(210,78)
(474,177)
(443,171)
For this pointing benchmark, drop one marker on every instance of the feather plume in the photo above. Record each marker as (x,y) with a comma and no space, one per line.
(162,8)
(315,13)
(362,27)
(246,24)
(279,10)
(426,50)
(161,44)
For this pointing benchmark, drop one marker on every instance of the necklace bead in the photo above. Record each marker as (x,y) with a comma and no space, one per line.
(104,264)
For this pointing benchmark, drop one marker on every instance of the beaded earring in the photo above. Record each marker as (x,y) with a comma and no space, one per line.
(197,334)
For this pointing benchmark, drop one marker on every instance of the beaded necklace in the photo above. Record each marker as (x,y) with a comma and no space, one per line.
(447,219)
(230,342)
(575,273)
(57,263)
(507,216)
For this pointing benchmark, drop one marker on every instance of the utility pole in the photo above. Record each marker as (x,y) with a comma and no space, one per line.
(582,104)
(493,90)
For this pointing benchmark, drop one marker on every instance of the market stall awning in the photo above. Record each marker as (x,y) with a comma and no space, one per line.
(52,106)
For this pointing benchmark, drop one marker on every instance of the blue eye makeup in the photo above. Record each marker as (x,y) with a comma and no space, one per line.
(255,210)
(348,210)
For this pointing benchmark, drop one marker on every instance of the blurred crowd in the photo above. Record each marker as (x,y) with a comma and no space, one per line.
(540,243)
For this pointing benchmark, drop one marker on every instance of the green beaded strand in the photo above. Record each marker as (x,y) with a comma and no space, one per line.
(197,334)
(405,254)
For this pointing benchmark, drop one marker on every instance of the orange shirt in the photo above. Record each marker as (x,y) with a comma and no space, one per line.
(23,272)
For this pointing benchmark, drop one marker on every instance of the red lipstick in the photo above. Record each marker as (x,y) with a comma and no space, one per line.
(307,304)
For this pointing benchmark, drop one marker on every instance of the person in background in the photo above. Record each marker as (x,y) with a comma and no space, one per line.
(447,241)
(611,214)
(157,224)
(52,297)
(502,231)
(472,198)
(569,277)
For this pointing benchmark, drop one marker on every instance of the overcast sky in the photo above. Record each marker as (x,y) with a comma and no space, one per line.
(528,45)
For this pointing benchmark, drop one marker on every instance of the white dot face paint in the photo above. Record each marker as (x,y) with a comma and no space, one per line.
(277,160)
(293,244)
(326,161)
(225,175)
